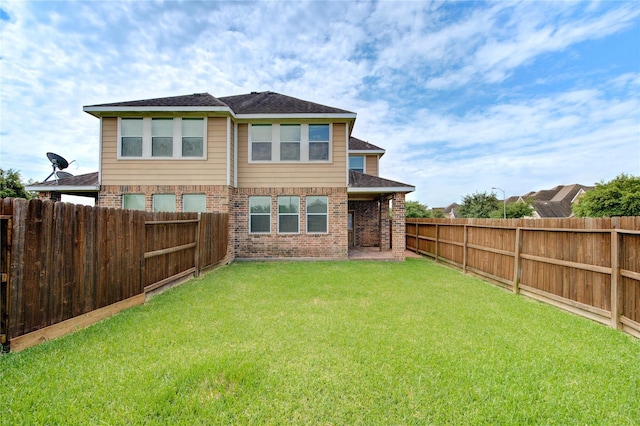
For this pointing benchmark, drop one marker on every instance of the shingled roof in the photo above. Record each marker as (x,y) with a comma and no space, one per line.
(252,103)
(87,184)
(196,99)
(88,179)
(275,103)
(356,144)
(556,202)
(363,181)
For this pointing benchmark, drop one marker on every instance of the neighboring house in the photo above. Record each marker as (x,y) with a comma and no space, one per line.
(293,179)
(451,211)
(555,202)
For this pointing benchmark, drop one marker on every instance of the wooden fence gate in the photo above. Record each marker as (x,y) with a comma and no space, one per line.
(65,266)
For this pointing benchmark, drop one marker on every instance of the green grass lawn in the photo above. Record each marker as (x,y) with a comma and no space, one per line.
(330,343)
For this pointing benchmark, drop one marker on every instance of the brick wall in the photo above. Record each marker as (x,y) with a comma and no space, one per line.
(332,245)
(398,243)
(217,196)
(366,222)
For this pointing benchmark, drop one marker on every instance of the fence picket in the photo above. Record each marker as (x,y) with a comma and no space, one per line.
(590,266)
(66,260)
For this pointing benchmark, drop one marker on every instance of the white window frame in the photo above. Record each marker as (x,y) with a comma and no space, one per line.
(259,214)
(328,142)
(282,141)
(275,145)
(364,163)
(144,201)
(177,139)
(326,214)
(297,214)
(201,197)
(153,202)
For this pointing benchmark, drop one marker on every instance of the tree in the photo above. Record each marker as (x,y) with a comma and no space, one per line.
(11,186)
(618,197)
(415,209)
(514,210)
(479,205)
(438,214)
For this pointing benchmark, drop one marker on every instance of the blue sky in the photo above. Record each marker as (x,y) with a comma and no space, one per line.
(464,96)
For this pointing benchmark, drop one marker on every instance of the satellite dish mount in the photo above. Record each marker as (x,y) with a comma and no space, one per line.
(58,163)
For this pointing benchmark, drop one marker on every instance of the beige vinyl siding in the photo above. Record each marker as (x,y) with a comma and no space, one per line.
(304,174)
(212,171)
(372,165)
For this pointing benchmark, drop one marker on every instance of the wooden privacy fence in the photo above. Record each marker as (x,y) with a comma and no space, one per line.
(587,266)
(65,266)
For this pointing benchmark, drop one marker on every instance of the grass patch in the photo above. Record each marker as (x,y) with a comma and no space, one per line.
(330,343)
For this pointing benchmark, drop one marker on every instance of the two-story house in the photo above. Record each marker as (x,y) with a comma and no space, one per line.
(293,179)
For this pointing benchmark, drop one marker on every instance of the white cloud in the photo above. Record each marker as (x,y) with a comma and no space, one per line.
(430,81)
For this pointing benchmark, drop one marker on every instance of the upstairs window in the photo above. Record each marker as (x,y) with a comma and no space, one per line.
(356,163)
(290,142)
(318,142)
(131,137)
(192,137)
(261,142)
(162,138)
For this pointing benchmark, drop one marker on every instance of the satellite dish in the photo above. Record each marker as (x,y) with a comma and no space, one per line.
(58,163)
(62,175)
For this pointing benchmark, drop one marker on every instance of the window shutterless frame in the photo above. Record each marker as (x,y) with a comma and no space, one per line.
(133,201)
(290,143)
(164,202)
(356,163)
(162,138)
(260,215)
(288,214)
(317,214)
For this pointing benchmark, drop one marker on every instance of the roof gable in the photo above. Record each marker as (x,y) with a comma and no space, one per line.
(356,144)
(363,181)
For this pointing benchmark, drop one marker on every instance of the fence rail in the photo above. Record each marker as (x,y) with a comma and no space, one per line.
(587,266)
(66,265)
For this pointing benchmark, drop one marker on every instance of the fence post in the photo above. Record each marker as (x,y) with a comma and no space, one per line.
(615,282)
(197,249)
(437,234)
(517,271)
(464,249)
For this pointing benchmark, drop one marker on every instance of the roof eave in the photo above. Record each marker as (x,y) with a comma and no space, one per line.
(357,190)
(367,151)
(349,116)
(58,188)
(98,111)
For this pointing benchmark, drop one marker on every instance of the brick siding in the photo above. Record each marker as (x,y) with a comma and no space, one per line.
(366,223)
(398,243)
(370,231)
(332,245)
(217,196)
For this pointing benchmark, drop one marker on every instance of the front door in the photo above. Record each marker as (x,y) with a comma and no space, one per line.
(350,228)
